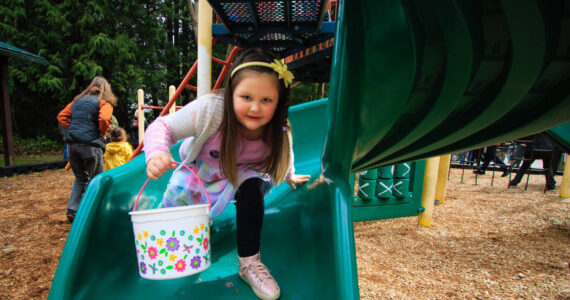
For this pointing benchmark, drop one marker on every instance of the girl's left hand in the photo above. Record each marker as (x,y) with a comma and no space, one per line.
(296,179)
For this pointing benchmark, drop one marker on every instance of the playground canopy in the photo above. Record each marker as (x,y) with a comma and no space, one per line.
(6,51)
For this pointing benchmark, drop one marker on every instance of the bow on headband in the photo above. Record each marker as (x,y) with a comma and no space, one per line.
(277,66)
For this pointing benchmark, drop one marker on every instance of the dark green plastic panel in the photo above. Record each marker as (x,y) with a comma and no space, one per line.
(416,79)
(393,207)
(450,75)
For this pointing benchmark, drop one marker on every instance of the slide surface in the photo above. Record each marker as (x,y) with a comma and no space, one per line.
(99,258)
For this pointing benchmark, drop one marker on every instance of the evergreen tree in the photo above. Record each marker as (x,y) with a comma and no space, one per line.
(141,44)
(134,44)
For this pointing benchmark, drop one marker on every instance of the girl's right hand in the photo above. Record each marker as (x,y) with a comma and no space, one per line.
(159,164)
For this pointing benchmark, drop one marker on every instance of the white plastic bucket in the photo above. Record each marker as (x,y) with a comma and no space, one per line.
(172,242)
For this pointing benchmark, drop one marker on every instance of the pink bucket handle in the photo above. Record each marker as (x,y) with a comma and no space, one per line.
(193,173)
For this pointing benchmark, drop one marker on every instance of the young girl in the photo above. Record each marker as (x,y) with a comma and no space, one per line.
(87,119)
(118,151)
(239,144)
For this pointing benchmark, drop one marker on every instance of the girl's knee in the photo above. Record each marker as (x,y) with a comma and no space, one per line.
(250,190)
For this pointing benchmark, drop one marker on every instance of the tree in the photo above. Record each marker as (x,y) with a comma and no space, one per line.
(134,44)
(141,44)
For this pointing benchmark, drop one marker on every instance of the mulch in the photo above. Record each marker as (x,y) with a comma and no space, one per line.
(486,242)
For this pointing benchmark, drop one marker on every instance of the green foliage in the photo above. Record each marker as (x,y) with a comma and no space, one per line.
(32,159)
(134,44)
(306,92)
(28,146)
(142,44)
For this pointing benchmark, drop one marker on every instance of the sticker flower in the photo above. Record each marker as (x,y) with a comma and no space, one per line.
(143,267)
(196,230)
(172,244)
(145,234)
(187,248)
(159,242)
(206,242)
(202,226)
(195,262)
(172,257)
(180,265)
(152,252)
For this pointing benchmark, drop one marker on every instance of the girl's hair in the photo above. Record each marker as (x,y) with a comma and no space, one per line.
(277,163)
(101,88)
(118,134)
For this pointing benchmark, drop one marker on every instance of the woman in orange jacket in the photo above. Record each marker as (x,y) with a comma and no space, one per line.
(87,119)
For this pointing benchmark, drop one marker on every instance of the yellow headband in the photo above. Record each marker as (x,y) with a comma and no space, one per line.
(277,66)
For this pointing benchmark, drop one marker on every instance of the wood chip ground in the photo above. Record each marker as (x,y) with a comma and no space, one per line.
(486,242)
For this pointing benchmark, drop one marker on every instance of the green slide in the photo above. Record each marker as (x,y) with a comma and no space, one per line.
(99,258)
(409,80)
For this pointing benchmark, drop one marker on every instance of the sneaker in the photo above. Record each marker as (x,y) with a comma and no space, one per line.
(70,215)
(256,274)
(513,183)
(551,187)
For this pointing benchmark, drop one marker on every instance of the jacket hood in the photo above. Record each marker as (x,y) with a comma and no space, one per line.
(117,147)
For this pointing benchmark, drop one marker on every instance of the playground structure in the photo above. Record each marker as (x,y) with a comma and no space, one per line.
(5,115)
(408,81)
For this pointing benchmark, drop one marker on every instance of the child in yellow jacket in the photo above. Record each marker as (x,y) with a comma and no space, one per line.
(118,151)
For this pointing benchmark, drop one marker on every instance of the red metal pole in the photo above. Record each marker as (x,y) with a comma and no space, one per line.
(184,84)
(227,65)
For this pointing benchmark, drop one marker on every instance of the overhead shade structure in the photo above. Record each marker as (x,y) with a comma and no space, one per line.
(299,31)
(6,51)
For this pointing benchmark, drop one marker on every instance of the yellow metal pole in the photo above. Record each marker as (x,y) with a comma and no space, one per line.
(171,91)
(428,193)
(204,47)
(441,187)
(140,114)
(565,187)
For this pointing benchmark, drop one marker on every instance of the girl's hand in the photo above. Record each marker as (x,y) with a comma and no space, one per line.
(159,164)
(297,179)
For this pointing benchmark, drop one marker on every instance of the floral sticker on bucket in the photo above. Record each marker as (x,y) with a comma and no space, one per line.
(167,252)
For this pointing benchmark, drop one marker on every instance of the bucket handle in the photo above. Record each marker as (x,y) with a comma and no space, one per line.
(193,173)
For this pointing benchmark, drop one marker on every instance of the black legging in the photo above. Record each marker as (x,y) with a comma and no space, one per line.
(249,216)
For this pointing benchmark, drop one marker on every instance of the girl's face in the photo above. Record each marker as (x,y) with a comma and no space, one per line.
(255,99)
